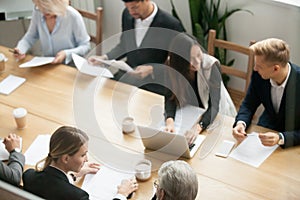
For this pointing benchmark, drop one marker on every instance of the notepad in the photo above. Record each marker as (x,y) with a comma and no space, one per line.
(251,151)
(37,61)
(10,83)
(84,67)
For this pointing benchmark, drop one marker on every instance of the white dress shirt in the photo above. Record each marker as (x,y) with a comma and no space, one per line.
(277,91)
(141,26)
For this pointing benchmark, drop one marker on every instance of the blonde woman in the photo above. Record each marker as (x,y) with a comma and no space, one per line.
(60,29)
(67,153)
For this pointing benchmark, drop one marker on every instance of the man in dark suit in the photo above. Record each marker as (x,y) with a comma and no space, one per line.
(146,35)
(275,84)
(12,171)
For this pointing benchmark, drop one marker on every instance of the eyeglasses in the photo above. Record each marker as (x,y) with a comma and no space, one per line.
(156,183)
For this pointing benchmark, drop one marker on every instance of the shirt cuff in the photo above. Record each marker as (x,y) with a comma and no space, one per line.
(120,196)
(241,122)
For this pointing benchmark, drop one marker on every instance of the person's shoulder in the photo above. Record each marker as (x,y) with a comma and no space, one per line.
(167,20)
(72,12)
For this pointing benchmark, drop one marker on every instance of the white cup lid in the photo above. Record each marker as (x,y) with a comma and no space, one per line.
(19,112)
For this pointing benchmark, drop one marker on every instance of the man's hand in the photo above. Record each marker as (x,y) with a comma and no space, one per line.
(127,187)
(60,57)
(142,71)
(11,142)
(94,60)
(239,133)
(269,138)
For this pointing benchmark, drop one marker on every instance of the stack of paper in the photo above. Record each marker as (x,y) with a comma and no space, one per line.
(10,83)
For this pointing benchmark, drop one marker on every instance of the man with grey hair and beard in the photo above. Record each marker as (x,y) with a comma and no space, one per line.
(176,181)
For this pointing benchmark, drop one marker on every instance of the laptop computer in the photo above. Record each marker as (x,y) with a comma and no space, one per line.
(170,143)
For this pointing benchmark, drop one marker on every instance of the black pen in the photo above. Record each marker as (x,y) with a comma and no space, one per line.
(13,51)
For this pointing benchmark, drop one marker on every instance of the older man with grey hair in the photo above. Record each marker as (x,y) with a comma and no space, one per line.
(177,181)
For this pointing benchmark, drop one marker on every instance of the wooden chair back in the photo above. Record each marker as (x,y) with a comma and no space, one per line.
(236,95)
(97,17)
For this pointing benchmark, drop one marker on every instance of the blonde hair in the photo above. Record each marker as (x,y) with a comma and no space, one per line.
(65,140)
(273,50)
(56,7)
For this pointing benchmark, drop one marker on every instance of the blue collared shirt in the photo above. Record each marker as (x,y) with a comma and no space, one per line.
(69,34)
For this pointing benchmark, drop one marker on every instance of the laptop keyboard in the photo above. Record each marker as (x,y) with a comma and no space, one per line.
(191,146)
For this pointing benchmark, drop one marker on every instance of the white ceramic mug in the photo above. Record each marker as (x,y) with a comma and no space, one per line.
(20,117)
(128,125)
(143,170)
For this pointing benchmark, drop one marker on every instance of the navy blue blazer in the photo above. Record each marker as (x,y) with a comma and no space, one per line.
(287,120)
(153,49)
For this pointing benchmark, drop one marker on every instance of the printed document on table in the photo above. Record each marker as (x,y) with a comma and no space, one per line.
(37,61)
(38,150)
(10,83)
(84,67)
(120,64)
(103,185)
(251,151)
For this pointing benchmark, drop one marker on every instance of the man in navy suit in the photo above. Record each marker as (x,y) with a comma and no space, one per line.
(146,35)
(275,84)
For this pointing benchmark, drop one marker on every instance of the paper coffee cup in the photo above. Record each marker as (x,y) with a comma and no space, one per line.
(143,170)
(20,117)
(128,125)
(2,62)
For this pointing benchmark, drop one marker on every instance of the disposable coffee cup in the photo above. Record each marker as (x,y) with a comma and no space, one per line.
(128,125)
(143,170)
(20,117)
(2,63)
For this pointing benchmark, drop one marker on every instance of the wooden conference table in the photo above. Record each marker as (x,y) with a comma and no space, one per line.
(56,95)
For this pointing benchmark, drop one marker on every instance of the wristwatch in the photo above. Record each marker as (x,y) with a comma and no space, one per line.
(201,125)
(281,139)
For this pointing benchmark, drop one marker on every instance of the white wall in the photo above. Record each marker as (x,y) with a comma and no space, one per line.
(269,19)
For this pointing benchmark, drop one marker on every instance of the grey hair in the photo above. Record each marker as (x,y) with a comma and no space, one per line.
(178,180)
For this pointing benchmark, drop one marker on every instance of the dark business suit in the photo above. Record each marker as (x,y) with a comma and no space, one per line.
(52,183)
(153,49)
(12,171)
(287,120)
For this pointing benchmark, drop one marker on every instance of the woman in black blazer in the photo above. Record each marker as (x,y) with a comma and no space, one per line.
(67,152)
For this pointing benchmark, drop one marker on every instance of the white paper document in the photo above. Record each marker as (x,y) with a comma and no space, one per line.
(10,83)
(38,150)
(37,61)
(120,64)
(84,67)
(103,185)
(251,151)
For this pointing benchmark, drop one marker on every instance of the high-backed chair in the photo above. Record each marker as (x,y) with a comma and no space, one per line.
(97,17)
(236,95)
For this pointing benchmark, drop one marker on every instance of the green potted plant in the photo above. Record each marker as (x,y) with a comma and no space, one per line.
(206,15)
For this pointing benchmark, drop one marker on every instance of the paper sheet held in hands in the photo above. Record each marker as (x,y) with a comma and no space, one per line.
(120,64)
(10,83)
(107,179)
(251,151)
(84,67)
(37,61)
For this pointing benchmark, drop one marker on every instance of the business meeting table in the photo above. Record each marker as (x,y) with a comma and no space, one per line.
(56,95)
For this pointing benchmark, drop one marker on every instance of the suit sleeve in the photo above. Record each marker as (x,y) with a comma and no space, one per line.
(250,102)
(12,172)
